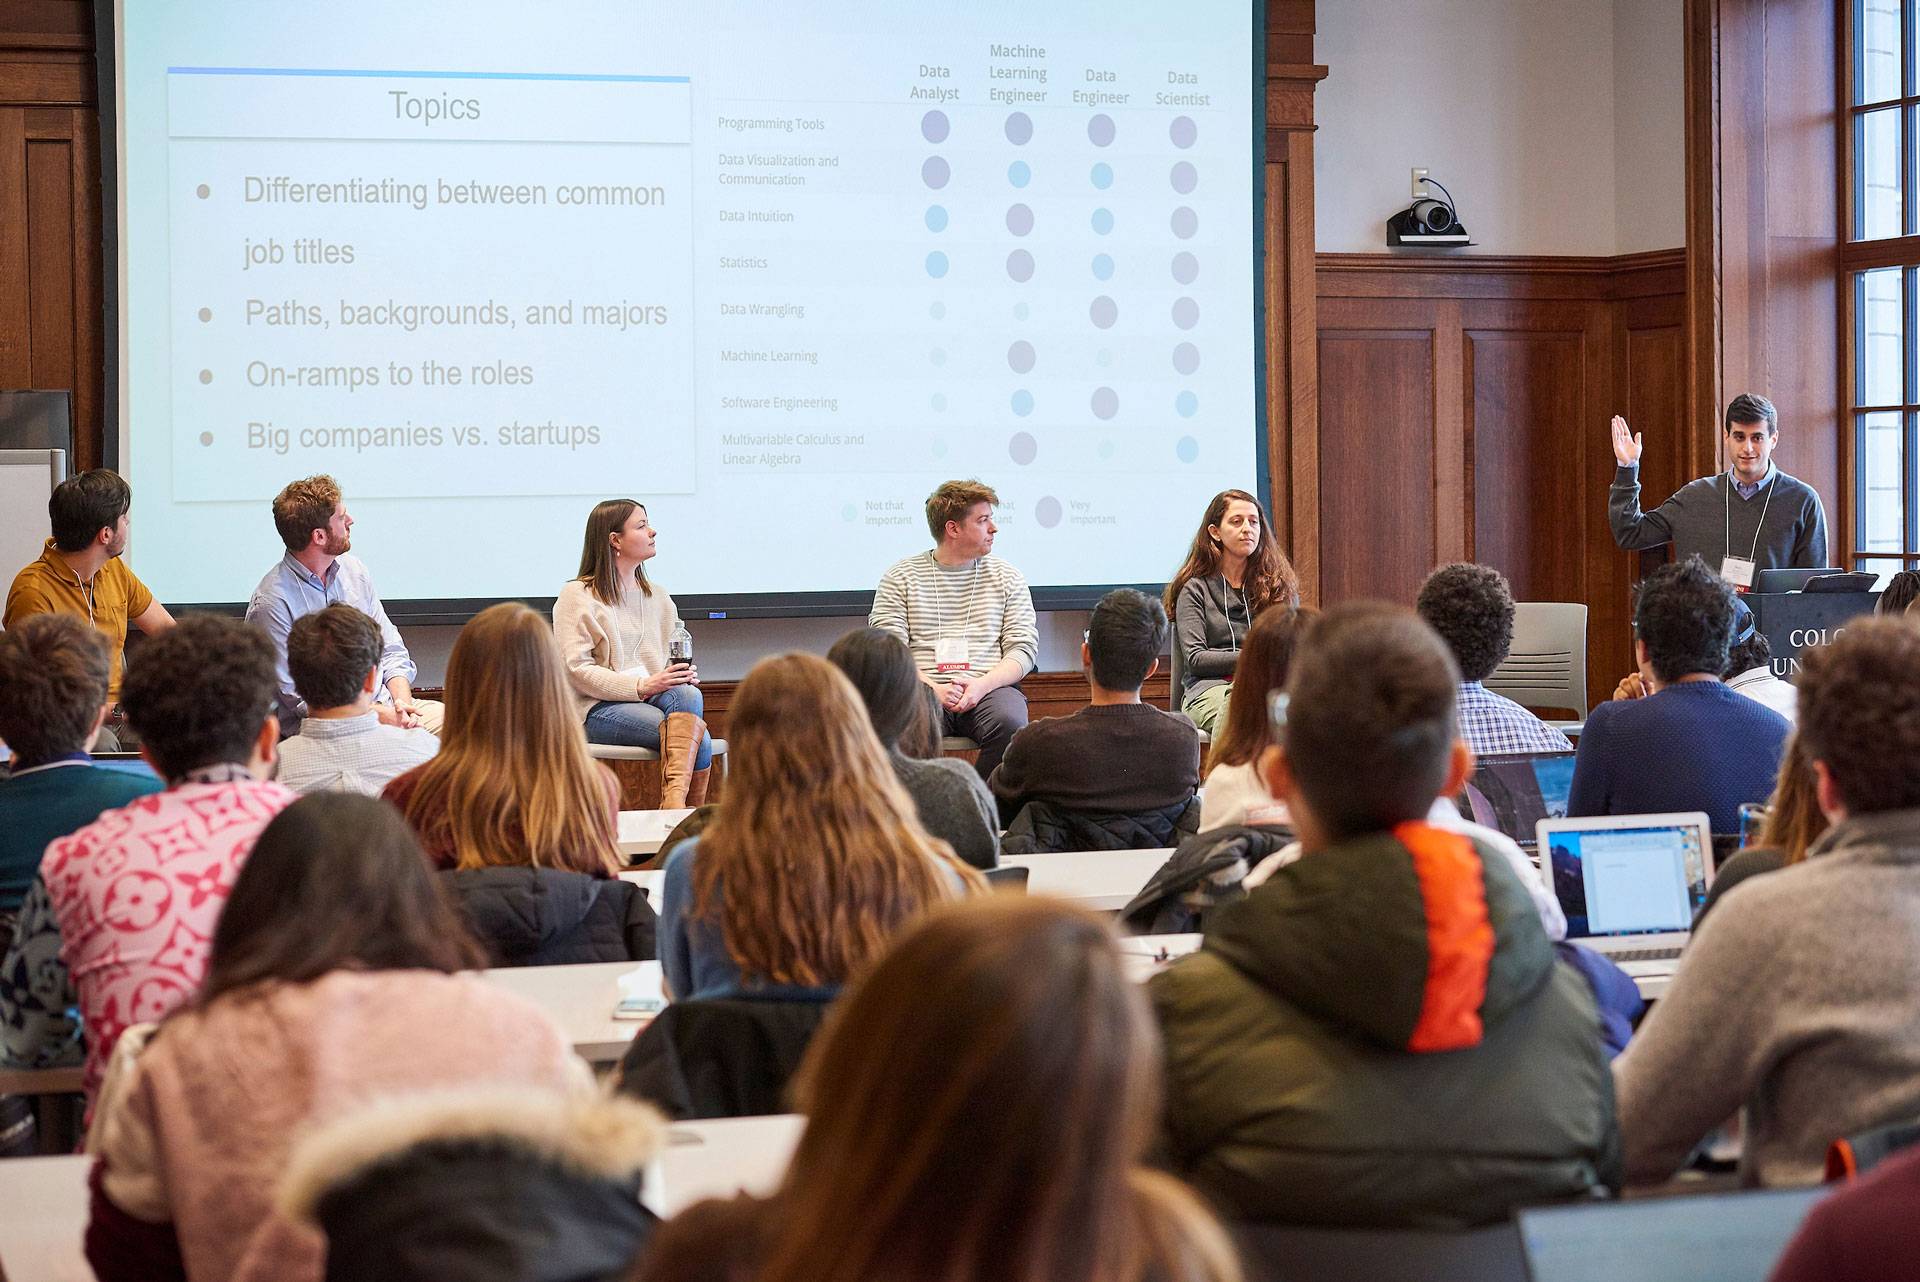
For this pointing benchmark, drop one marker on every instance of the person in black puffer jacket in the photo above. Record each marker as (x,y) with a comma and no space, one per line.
(553,917)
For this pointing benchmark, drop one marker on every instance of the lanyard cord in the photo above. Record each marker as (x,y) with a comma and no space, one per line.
(1726,516)
(1233,642)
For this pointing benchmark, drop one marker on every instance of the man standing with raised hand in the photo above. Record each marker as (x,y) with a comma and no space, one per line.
(968,619)
(317,572)
(1751,517)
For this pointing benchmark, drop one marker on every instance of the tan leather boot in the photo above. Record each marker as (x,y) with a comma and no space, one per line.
(697,787)
(680,736)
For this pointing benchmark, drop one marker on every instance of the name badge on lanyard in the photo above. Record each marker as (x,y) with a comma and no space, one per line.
(950,655)
(1737,571)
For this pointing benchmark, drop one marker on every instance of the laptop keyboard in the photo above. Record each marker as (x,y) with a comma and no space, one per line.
(1643,954)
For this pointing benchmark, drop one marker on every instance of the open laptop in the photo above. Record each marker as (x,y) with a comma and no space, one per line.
(1789,578)
(1513,792)
(1716,1237)
(1630,884)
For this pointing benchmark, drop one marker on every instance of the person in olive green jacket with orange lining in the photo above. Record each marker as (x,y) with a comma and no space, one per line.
(1379,1034)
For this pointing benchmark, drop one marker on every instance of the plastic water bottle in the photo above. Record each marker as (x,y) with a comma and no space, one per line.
(680,645)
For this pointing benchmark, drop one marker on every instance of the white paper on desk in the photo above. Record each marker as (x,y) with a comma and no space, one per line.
(644,982)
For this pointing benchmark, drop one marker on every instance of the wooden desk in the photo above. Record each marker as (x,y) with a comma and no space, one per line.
(580,999)
(40,1081)
(642,831)
(1106,880)
(45,1201)
(718,1159)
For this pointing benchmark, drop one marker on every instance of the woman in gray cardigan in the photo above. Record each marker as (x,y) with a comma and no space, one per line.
(1233,571)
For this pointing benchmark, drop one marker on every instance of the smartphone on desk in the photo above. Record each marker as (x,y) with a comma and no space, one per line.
(639,1007)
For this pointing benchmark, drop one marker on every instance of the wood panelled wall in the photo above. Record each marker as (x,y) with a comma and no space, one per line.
(51,333)
(1464,406)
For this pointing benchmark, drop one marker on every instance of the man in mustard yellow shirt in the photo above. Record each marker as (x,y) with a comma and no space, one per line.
(80,573)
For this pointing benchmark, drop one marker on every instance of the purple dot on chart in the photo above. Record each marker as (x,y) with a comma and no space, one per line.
(1019,220)
(1186,358)
(1183,132)
(1186,405)
(1186,313)
(1022,402)
(936,264)
(1106,402)
(1184,178)
(1020,265)
(1047,512)
(1023,449)
(1104,312)
(1020,357)
(1102,221)
(1100,130)
(1184,223)
(1187,450)
(933,126)
(1019,129)
(1186,268)
(935,172)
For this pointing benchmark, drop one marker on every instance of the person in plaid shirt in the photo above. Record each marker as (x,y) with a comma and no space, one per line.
(1471,607)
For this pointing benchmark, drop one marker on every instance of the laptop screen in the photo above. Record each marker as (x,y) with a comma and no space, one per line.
(1628,880)
(1513,793)
(1663,1239)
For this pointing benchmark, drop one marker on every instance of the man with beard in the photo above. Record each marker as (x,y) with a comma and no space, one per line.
(315,573)
(81,573)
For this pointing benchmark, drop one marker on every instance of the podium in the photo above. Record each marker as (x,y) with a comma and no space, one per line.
(1792,621)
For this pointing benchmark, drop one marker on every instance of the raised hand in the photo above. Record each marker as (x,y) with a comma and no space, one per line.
(1626,443)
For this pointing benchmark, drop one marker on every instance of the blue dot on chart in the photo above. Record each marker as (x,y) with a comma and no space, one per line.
(1186,405)
(939,402)
(1018,174)
(1021,311)
(933,126)
(935,172)
(936,264)
(1047,512)
(1023,402)
(936,217)
(1187,450)
(938,311)
(1023,449)
(1102,175)
(1103,358)
(1102,267)
(1102,221)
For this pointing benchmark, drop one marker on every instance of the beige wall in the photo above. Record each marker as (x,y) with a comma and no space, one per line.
(1556,124)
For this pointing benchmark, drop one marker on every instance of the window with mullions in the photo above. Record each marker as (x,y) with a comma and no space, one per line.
(1882,265)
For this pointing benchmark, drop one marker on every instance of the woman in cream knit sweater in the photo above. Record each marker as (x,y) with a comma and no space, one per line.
(613,628)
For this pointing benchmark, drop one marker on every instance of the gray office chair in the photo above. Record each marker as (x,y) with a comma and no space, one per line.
(1547,667)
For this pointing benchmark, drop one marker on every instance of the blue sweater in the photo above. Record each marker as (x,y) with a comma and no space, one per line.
(1696,746)
(39,807)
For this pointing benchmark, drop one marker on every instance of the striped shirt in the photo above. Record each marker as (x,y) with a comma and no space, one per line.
(985,602)
(351,754)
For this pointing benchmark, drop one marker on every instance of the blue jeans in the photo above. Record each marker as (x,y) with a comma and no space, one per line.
(637,725)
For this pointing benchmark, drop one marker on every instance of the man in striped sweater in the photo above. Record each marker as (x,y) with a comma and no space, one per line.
(967,616)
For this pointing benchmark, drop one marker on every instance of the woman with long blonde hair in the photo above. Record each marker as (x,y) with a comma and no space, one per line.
(515,804)
(1233,572)
(977,1109)
(817,858)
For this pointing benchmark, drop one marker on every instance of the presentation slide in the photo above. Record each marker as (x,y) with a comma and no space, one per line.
(774,270)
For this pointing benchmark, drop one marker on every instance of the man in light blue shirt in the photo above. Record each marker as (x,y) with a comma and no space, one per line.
(317,572)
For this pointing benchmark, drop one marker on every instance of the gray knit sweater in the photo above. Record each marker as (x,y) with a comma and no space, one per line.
(1707,515)
(1797,1002)
(954,805)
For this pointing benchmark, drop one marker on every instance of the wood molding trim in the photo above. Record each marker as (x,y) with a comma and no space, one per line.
(1049,694)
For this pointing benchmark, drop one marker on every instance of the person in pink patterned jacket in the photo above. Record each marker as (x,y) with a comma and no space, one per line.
(132,898)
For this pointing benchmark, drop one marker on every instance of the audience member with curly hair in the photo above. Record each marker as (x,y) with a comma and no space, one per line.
(1471,607)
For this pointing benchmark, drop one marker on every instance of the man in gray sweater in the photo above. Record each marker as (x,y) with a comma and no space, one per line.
(1796,1000)
(1751,517)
